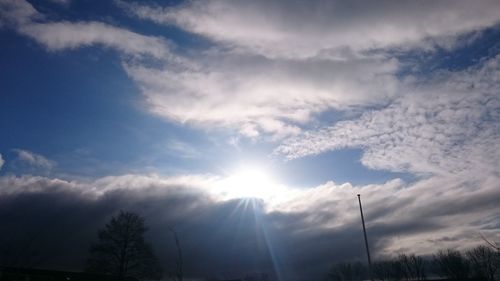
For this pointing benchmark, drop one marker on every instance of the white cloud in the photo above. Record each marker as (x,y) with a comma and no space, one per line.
(70,35)
(445,129)
(269,73)
(258,95)
(213,187)
(29,184)
(417,216)
(14,12)
(446,126)
(307,28)
(1,161)
(34,159)
(98,187)
(278,65)
(161,184)
(67,35)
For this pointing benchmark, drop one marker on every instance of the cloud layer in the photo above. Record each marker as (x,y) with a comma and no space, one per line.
(273,74)
(267,73)
(307,29)
(446,125)
(255,94)
(296,239)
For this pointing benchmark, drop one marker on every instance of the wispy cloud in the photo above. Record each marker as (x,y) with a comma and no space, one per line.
(307,29)
(182,149)
(67,35)
(17,13)
(272,74)
(258,95)
(447,125)
(34,159)
(23,17)
(1,161)
(266,76)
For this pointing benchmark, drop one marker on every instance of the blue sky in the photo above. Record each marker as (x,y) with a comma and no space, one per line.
(395,99)
(104,120)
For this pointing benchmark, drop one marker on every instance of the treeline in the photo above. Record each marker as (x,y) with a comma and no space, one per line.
(480,263)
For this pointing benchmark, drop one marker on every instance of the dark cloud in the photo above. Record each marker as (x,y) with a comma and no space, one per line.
(50,222)
(53,227)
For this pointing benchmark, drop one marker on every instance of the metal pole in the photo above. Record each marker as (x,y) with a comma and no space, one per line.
(366,239)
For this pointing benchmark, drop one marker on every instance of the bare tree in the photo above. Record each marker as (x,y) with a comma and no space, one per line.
(451,264)
(404,267)
(388,270)
(381,270)
(413,267)
(340,272)
(484,262)
(122,251)
(359,270)
(346,271)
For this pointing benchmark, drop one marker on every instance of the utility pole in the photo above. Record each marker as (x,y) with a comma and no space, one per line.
(366,239)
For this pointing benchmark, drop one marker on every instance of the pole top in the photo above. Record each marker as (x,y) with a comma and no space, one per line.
(359,194)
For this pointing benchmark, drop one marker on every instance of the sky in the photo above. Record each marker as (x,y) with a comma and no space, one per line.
(249,127)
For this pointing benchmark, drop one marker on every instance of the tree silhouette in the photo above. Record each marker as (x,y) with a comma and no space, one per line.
(346,271)
(451,264)
(413,267)
(388,270)
(484,262)
(403,267)
(122,251)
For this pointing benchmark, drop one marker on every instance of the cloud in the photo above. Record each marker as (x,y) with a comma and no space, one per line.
(17,13)
(274,67)
(61,35)
(222,236)
(1,161)
(306,29)
(257,95)
(266,77)
(67,35)
(444,130)
(182,149)
(401,215)
(447,125)
(34,159)
(269,73)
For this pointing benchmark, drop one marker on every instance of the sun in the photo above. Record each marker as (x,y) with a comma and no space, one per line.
(250,183)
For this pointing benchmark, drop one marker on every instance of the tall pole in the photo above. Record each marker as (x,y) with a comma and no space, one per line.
(366,239)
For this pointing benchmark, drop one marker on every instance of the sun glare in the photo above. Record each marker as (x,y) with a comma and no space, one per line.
(251,183)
